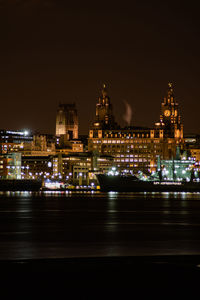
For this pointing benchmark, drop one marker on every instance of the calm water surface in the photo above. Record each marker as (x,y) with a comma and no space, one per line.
(61,224)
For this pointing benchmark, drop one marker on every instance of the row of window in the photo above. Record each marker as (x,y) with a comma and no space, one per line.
(127,135)
(133,160)
(120,141)
(133,156)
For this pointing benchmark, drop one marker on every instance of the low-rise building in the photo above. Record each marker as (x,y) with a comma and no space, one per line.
(41,145)
(14,140)
(37,167)
(10,166)
(80,168)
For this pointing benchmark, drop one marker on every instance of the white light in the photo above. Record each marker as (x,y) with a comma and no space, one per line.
(26,132)
(111,173)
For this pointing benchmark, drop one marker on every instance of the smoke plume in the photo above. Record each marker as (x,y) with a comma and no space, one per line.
(128,113)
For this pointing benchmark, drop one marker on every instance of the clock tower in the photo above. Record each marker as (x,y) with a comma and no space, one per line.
(170,119)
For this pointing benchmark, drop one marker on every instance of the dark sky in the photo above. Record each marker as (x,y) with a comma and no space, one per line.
(52,52)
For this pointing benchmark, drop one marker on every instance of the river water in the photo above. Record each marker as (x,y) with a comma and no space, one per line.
(95,224)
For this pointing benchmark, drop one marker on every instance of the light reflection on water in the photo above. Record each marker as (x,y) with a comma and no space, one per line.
(55,224)
(164,197)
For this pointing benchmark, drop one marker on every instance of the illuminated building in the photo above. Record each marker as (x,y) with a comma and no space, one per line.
(66,123)
(41,160)
(14,140)
(136,148)
(10,166)
(70,146)
(192,145)
(179,168)
(37,157)
(76,167)
(41,145)
(195,153)
(170,119)
(104,118)
(25,156)
(37,167)
(176,169)
(67,129)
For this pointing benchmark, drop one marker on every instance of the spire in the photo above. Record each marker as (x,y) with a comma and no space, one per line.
(170,84)
(104,91)
(170,89)
(104,115)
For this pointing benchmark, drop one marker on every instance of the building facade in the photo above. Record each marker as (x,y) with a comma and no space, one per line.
(41,145)
(14,140)
(136,148)
(170,118)
(37,167)
(10,166)
(80,168)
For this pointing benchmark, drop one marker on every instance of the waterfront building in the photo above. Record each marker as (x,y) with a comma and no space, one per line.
(195,153)
(136,148)
(37,167)
(179,168)
(42,160)
(10,166)
(192,146)
(80,168)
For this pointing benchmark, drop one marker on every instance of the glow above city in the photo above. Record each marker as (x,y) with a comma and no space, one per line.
(54,52)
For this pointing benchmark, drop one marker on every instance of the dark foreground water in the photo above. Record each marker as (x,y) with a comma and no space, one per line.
(64,225)
(99,245)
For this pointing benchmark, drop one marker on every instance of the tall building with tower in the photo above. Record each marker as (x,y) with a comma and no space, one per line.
(67,121)
(136,148)
(104,118)
(170,118)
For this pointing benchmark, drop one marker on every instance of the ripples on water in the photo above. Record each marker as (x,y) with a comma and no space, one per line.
(68,224)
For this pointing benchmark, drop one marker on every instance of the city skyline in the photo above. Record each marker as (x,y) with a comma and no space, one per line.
(57,52)
(99,148)
(122,122)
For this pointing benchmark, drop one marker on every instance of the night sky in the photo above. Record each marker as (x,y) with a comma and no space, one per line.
(52,52)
